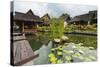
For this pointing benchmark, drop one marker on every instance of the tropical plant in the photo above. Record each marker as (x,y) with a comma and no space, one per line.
(57,27)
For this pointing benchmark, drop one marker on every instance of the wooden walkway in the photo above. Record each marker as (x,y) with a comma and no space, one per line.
(22,51)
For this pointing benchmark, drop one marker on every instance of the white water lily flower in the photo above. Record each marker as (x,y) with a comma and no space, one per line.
(57,40)
(71,51)
(80,44)
(73,46)
(81,51)
(64,38)
(91,48)
(77,54)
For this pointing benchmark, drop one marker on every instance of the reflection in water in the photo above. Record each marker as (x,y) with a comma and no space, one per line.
(43,54)
(36,41)
(89,41)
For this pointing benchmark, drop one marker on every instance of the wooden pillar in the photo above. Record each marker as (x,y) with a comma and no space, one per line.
(65,24)
(74,22)
(89,22)
(22,27)
(37,26)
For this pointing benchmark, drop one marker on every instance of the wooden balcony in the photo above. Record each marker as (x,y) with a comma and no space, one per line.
(30,30)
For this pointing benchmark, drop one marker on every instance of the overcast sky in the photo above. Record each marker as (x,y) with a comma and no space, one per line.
(53,9)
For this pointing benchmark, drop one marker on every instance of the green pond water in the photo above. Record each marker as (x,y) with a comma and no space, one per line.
(37,40)
(40,43)
(87,40)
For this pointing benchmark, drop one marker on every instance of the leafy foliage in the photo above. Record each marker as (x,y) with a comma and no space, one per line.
(57,27)
(65,16)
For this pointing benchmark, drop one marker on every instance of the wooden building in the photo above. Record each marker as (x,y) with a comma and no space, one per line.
(46,19)
(66,21)
(27,22)
(85,19)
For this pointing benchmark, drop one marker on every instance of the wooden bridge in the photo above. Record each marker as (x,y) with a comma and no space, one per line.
(21,51)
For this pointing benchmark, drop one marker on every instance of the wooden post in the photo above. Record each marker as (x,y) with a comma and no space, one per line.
(22,27)
(74,22)
(37,25)
(89,22)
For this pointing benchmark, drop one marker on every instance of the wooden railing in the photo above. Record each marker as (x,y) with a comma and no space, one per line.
(30,30)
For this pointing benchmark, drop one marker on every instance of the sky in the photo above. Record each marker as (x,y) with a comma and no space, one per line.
(53,9)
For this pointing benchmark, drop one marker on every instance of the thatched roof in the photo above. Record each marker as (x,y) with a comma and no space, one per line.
(29,16)
(46,15)
(85,17)
(46,19)
(94,14)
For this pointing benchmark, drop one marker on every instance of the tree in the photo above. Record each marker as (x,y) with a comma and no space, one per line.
(65,16)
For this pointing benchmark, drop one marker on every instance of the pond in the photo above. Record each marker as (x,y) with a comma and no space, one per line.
(40,43)
(87,40)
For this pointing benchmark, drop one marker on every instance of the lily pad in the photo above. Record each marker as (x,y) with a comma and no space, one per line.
(59,61)
(59,53)
(68,58)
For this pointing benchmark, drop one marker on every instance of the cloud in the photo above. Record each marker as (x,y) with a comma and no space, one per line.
(72,9)
(40,8)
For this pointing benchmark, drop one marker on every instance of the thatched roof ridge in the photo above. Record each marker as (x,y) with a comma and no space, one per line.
(46,15)
(46,19)
(29,16)
(85,17)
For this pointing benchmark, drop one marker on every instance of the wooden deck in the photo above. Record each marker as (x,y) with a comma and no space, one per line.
(22,51)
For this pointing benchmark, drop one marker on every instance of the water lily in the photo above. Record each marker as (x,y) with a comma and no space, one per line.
(91,48)
(51,55)
(80,44)
(57,40)
(53,49)
(64,38)
(65,51)
(71,52)
(59,53)
(53,60)
(59,61)
(74,55)
(80,51)
(68,58)
(60,48)
(77,54)
(74,47)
